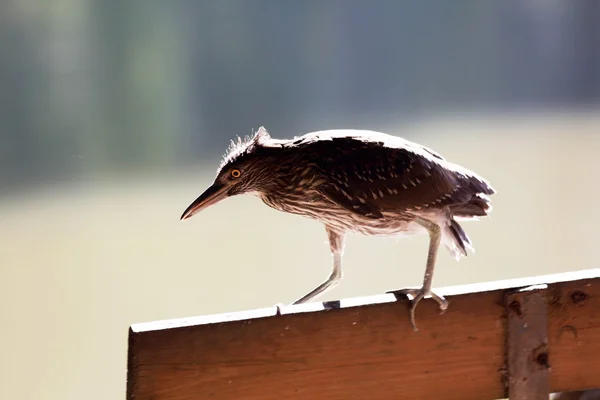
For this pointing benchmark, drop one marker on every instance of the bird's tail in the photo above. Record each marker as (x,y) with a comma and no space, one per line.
(479,205)
(456,240)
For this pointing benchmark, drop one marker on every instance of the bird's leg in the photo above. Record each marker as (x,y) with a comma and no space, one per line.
(435,236)
(336,243)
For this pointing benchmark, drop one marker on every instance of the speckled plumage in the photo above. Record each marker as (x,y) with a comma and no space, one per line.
(358,181)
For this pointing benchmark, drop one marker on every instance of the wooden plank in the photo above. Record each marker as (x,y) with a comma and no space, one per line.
(365,348)
(528,376)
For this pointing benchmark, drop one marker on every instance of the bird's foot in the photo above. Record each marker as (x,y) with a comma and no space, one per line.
(418,295)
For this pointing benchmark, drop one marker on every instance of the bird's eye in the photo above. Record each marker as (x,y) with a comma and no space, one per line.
(235,173)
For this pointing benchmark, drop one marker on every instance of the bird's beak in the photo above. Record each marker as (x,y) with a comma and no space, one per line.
(212,195)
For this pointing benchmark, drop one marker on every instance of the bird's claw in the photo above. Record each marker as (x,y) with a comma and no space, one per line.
(278,307)
(418,295)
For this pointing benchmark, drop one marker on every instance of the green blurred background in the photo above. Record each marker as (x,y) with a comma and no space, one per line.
(115,114)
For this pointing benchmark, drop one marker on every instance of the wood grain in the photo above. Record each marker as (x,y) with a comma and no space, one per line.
(527,344)
(366,351)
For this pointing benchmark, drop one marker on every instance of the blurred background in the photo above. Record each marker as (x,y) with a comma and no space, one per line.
(114,116)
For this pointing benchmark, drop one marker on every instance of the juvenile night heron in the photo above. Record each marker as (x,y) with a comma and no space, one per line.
(356,181)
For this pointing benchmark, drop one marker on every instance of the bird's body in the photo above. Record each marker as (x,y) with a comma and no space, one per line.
(359,181)
(326,179)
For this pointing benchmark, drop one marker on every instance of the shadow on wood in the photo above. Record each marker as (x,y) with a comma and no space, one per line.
(365,348)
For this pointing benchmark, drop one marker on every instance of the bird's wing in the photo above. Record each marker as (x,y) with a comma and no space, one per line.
(370,178)
(343,197)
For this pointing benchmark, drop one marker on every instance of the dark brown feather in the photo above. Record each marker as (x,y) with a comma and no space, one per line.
(371,174)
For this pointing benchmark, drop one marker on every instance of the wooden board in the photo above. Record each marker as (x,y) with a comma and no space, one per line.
(368,350)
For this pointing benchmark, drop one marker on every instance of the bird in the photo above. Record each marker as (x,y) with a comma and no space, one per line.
(356,181)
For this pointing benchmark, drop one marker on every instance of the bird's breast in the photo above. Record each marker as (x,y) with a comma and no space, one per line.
(314,206)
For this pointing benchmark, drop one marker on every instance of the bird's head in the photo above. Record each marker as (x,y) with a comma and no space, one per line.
(245,169)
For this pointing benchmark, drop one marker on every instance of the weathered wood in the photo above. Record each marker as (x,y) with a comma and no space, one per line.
(366,349)
(528,377)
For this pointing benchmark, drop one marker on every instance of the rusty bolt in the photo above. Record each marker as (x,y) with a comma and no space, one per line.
(515,307)
(578,296)
(542,359)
